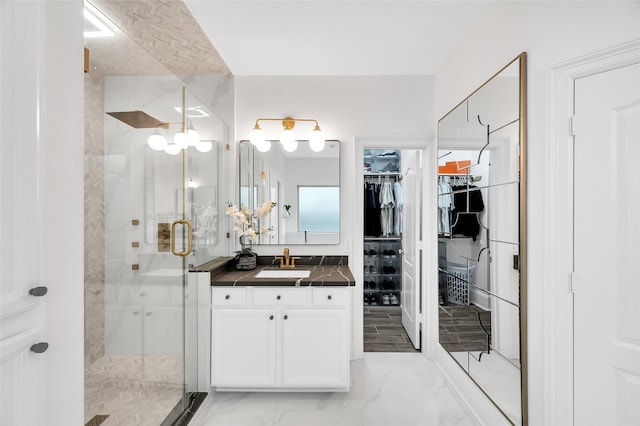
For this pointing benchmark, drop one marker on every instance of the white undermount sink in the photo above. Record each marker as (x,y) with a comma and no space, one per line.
(283,273)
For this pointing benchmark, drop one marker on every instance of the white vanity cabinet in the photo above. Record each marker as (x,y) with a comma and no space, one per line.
(280,338)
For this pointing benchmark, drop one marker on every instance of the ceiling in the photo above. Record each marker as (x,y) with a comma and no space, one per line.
(280,38)
(301,37)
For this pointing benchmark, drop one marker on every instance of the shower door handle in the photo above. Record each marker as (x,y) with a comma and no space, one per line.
(189,237)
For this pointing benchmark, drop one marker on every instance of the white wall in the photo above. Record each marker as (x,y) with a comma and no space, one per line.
(345,107)
(61,195)
(550,32)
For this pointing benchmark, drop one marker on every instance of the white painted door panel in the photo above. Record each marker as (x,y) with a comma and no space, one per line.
(607,249)
(21,315)
(243,347)
(22,378)
(315,348)
(412,199)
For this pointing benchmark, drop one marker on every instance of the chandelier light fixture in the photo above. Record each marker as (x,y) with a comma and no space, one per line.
(287,136)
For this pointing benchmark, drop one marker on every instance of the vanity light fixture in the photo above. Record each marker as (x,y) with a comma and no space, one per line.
(156,141)
(204,146)
(181,140)
(287,137)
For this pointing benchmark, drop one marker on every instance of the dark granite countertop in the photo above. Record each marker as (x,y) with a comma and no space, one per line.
(329,271)
(212,265)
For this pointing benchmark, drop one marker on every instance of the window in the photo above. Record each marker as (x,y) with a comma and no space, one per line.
(319,208)
(244,197)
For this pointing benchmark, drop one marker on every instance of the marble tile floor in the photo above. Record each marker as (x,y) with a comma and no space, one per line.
(132,390)
(383,330)
(387,389)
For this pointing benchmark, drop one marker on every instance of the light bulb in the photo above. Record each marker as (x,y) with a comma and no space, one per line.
(288,140)
(172,149)
(192,137)
(157,142)
(264,146)
(256,135)
(204,146)
(180,140)
(316,140)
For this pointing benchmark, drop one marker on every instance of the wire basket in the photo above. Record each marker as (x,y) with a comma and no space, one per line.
(246,261)
(458,279)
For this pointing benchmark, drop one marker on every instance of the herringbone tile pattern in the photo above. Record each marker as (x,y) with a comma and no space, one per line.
(133,390)
(94,274)
(168,32)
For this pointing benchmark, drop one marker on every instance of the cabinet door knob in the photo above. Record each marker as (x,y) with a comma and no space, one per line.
(278,297)
(329,297)
(271,317)
(38,291)
(286,317)
(228,296)
(39,347)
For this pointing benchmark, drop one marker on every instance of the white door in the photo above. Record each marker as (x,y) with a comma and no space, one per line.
(21,313)
(315,348)
(411,240)
(607,248)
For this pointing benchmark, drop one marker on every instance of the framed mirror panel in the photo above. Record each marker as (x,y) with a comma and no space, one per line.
(482,238)
(304,184)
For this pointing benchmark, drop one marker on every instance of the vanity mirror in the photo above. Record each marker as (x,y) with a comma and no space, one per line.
(305,185)
(481,238)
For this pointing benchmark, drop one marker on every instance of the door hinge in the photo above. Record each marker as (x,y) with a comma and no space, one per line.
(572,279)
(572,125)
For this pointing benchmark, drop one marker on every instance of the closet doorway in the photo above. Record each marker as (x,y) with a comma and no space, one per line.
(392,236)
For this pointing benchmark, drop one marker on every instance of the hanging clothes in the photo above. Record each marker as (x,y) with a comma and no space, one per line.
(387,204)
(397,214)
(371,210)
(466,217)
(446,204)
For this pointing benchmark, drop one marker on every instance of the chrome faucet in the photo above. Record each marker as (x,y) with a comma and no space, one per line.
(286,262)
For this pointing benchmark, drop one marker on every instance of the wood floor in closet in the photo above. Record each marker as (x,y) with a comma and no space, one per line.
(383,330)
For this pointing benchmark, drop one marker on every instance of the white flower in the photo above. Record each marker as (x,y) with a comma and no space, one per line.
(264,209)
(246,221)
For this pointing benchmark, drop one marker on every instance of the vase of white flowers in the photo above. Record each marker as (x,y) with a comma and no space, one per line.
(247,225)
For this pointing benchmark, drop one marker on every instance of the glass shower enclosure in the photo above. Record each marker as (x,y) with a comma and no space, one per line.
(151,212)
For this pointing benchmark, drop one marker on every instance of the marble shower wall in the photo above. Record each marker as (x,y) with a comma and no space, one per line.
(143,306)
(94,238)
